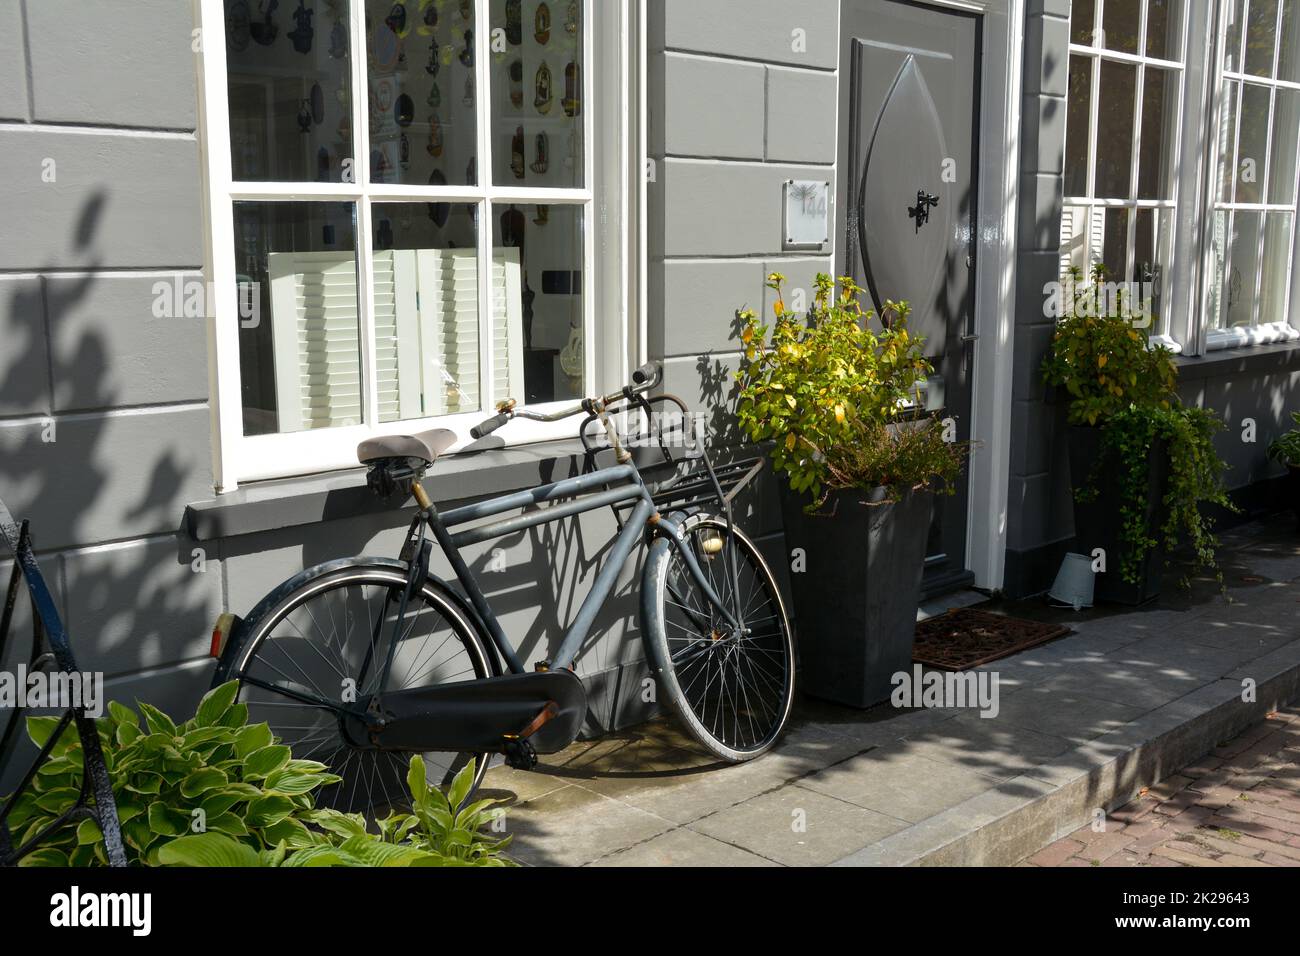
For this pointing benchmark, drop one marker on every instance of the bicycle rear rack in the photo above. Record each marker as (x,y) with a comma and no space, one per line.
(50,646)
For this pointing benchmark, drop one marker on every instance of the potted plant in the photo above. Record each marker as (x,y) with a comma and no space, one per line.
(1142,465)
(839,401)
(1286,451)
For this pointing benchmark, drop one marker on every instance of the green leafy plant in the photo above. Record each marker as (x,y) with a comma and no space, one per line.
(833,394)
(1286,449)
(213,771)
(1118,381)
(1102,361)
(441,830)
(216,788)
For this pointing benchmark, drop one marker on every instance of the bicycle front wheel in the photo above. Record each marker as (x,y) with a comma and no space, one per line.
(732,689)
(316,652)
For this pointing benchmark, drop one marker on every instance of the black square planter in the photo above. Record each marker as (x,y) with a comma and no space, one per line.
(1097,524)
(855,601)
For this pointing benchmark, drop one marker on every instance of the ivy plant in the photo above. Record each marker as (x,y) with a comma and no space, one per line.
(1116,380)
(833,395)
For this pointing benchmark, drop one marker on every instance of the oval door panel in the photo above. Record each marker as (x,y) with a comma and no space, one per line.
(904,254)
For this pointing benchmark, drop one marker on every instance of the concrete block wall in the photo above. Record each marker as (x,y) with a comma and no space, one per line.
(104,422)
(743,96)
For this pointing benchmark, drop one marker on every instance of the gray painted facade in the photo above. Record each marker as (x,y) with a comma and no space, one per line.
(106,92)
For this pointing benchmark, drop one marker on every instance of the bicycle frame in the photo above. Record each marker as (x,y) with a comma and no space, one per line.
(589,492)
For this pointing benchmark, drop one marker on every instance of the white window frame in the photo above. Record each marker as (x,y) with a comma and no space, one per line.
(1269,332)
(612,199)
(1176,274)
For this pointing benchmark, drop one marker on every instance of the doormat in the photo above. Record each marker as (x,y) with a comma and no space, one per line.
(965,638)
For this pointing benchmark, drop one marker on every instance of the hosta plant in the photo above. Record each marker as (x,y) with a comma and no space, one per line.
(217,791)
(836,395)
(442,830)
(213,773)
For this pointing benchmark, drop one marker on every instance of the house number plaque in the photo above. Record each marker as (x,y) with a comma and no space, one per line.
(807,212)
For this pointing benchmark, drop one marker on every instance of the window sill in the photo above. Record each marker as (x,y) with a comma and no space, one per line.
(1254,359)
(292,502)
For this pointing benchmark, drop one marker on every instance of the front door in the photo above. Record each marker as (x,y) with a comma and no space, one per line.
(909,82)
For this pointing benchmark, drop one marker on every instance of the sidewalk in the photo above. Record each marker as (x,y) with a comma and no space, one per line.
(1085,722)
(1239,806)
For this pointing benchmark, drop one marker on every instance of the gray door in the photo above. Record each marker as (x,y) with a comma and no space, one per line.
(906,212)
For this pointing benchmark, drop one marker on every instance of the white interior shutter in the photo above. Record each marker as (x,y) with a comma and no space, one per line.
(426,334)
(448,280)
(507,326)
(315,340)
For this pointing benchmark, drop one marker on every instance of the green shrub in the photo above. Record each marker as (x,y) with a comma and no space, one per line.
(223,789)
(833,394)
(1286,449)
(438,832)
(1118,382)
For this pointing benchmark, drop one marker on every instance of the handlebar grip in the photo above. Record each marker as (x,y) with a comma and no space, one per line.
(646,373)
(483,429)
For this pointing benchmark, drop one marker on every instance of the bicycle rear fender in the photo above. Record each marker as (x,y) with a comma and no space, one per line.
(243,628)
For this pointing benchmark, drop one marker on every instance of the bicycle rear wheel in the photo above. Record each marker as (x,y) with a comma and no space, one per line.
(316,652)
(733,691)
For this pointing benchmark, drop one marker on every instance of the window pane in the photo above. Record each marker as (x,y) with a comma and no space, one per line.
(1114,252)
(426,309)
(1243,268)
(1276,267)
(1288,66)
(1153,249)
(289,93)
(537,97)
(421,93)
(1083,14)
(1225,174)
(1165,29)
(1232,43)
(1159,126)
(299,354)
(1252,143)
(1115,130)
(1218,303)
(1079,106)
(1286,131)
(538,287)
(1119,22)
(1261,30)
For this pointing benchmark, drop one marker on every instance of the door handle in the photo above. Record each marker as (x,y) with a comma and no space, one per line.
(921,211)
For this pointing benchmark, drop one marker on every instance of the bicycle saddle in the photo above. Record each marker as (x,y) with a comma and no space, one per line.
(426,446)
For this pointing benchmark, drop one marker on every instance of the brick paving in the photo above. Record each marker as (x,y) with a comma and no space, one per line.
(1236,806)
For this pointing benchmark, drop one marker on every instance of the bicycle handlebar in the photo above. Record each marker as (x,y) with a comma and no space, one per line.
(645,378)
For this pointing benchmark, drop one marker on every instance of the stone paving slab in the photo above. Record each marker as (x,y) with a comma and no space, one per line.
(1132,698)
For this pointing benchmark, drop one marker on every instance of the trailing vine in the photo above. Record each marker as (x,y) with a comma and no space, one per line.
(1122,384)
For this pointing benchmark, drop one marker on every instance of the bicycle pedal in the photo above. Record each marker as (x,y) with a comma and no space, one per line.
(520,754)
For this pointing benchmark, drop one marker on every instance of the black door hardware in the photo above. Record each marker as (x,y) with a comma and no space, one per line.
(921,211)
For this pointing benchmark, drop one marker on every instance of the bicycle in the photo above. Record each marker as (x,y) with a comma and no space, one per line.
(363,661)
